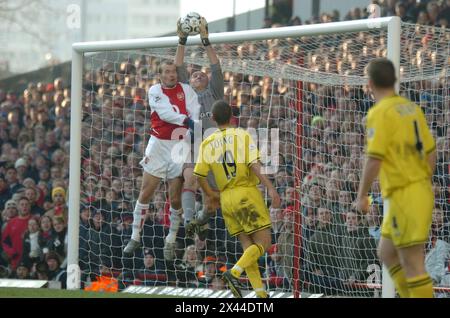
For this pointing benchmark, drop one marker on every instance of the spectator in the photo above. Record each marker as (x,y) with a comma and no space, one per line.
(285,248)
(358,251)
(59,201)
(373,219)
(46,233)
(273,270)
(355,14)
(189,267)
(313,200)
(276,216)
(151,275)
(212,268)
(31,250)
(39,271)
(21,167)
(13,233)
(423,18)
(122,230)
(400,11)
(436,261)
(345,202)
(217,284)
(332,196)
(22,272)
(4,192)
(8,213)
(322,256)
(59,242)
(31,195)
(295,21)
(99,242)
(54,272)
(12,180)
(154,232)
(85,216)
(267,22)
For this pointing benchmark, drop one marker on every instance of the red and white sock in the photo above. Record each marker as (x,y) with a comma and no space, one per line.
(138,220)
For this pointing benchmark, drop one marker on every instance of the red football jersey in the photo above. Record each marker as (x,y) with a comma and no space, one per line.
(160,128)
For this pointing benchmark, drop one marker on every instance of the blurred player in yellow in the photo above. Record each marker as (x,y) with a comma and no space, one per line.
(233,158)
(401,149)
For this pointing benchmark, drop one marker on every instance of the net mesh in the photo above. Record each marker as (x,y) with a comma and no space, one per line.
(312,89)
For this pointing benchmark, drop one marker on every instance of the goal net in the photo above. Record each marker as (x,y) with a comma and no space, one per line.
(312,91)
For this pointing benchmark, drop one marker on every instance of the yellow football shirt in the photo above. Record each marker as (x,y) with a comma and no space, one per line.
(228,153)
(397,133)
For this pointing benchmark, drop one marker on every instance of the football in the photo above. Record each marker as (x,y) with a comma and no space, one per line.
(190,24)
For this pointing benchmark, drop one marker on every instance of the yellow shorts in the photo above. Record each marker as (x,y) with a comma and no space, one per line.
(244,210)
(408,214)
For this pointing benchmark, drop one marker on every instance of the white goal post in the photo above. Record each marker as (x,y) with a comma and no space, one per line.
(392,25)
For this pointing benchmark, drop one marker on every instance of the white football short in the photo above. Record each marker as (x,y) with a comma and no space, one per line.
(165,158)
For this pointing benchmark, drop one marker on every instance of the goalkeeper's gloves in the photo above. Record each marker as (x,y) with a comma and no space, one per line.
(182,37)
(204,34)
(189,123)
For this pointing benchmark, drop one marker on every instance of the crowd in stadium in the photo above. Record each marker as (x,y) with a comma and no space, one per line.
(338,244)
(424,12)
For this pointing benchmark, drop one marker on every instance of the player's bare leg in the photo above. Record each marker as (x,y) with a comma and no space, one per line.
(387,253)
(148,187)
(418,281)
(175,186)
(413,260)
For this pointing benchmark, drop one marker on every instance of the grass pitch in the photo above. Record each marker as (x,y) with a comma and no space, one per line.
(60,293)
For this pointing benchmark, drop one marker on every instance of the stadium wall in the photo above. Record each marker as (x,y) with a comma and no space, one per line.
(18,83)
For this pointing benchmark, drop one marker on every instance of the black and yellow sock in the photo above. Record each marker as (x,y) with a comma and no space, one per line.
(250,256)
(254,277)
(420,286)
(398,276)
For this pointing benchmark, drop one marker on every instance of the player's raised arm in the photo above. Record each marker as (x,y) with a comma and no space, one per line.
(204,35)
(183,76)
(216,83)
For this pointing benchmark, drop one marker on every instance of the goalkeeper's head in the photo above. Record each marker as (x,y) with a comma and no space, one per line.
(381,75)
(168,73)
(199,81)
(221,113)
